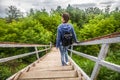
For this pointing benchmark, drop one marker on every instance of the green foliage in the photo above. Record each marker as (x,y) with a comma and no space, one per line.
(40,27)
(85,64)
(5,72)
(9,68)
(114,54)
(106,74)
(98,27)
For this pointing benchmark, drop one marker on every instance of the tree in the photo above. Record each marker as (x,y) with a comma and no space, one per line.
(107,11)
(59,9)
(117,9)
(13,13)
(76,15)
(31,12)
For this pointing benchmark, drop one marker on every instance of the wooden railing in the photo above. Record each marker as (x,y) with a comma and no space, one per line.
(6,45)
(99,61)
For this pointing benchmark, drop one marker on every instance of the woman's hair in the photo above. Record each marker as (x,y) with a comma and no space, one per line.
(65,17)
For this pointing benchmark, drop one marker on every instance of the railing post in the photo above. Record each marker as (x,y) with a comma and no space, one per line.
(36,52)
(46,48)
(50,45)
(101,56)
(71,51)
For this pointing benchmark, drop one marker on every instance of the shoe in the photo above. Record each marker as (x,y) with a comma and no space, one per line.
(68,63)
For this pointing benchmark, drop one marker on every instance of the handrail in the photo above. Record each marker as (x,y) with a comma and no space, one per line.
(101,41)
(22,45)
(100,59)
(79,69)
(20,56)
(26,54)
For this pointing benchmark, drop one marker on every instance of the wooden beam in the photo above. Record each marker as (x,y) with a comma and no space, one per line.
(102,41)
(20,56)
(36,50)
(101,56)
(110,65)
(21,45)
(84,55)
(79,69)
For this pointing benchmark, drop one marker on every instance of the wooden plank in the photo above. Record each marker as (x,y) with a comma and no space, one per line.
(79,70)
(76,78)
(26,68)
(19,72)
(48,74)
(102,41)
(15,57)
(101,61)
(36,53)
(71,51)
(84,55)
(101,56)
(21,45)
(59,68)
(48,66)
(19,56)
(110,65)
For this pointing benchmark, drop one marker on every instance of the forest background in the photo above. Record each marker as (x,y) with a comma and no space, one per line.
(40,27)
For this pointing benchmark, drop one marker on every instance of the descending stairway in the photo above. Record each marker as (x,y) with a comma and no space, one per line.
(49,68)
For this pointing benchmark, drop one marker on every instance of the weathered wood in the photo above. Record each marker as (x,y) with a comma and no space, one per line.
(84,55)
(36,53)
(26,68)
(59,68)
(76,78)
(15,57)
(50,45)
(17,75)
(46,48)
(79,69)
(19,72)
(102,41)
(21,45)
(110,65)
(71,51)
(20,56)
(99,61)
(101,56)
(49,63)
(54,72)
(48,74)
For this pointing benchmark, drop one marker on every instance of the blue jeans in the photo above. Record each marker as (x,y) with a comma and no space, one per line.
(64,54)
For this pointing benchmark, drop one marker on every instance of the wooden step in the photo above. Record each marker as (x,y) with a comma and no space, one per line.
(52,59)
(52,68)
(76,78)
(49,61)
(48,74)
(48,64)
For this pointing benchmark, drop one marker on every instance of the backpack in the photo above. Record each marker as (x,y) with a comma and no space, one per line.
(67,38)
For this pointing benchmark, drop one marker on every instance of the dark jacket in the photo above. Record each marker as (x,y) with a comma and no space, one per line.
(64,27)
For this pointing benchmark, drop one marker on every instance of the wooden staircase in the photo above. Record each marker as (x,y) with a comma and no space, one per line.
(50,68)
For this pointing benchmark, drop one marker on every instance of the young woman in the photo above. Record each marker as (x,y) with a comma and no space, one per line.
(64,26)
